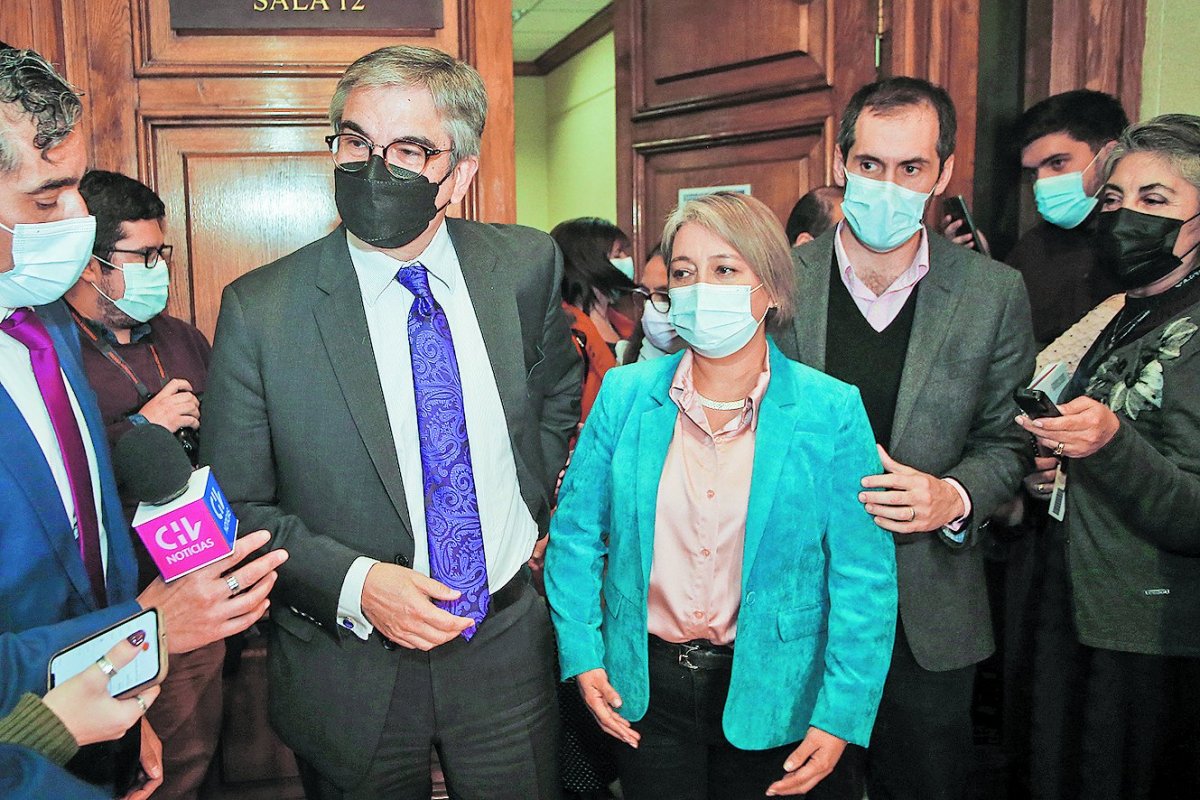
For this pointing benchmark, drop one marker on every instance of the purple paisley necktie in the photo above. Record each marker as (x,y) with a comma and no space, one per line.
(451,505)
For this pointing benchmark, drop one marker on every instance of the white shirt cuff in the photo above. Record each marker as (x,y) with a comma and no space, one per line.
(954,530)
(349,613)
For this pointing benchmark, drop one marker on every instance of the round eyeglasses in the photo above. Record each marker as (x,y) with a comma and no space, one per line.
(150,256)
(405,159)
(661,301)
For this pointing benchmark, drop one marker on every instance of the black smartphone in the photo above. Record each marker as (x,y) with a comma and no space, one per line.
(956,208)
(1035,403)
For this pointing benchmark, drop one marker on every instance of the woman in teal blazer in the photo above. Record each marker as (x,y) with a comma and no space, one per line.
(729,612)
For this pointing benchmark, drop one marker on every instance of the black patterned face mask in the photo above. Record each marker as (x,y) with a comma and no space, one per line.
(383,210)
(1137,248)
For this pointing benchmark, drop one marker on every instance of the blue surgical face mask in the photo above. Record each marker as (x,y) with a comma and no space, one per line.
(658,330)
(624,265)
(715,321)
(882,214)
(48,258)
(1061,199)
(145,289)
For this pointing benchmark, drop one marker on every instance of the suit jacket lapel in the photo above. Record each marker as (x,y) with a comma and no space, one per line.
(23,459)
(812,299)
(656,428)
(342,322)
(776,423)
(937,299)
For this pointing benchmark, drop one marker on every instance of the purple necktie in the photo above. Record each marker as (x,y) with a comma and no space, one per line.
(451,505)
(26,328)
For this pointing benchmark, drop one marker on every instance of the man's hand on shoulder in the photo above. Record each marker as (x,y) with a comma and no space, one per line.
(399,603)
(911,501)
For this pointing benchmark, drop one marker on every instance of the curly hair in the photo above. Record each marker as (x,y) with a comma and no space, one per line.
(31,87)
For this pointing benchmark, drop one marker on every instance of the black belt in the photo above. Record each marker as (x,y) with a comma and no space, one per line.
(696,654)
(502,598)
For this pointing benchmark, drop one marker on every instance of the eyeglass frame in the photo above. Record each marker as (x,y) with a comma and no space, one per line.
(661,301)
(164,252)
(430,153)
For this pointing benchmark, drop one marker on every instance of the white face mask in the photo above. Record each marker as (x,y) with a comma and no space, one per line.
(659,332)
(48,258)
(715,321)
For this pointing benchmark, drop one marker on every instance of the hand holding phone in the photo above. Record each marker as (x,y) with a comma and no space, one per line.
(88,709)
(956,211)
(148,668)
(1035,403)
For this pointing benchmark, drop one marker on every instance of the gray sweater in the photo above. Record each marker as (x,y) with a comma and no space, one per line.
(1133,507)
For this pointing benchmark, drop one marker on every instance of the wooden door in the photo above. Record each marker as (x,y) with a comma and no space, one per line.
(228,128)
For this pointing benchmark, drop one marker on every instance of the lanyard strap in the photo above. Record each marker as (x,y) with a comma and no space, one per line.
(106,349)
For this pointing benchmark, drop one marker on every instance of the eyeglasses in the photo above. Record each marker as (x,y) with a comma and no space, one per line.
(405,159)
(661,301)
(150,255)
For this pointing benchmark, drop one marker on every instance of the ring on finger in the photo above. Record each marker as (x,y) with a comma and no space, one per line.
(912,513)
(1058,449)
(106,666)
(232,582)
(1041,488)
(141,703)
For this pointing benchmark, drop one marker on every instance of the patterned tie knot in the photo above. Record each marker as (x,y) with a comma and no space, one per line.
(415,278)
(24,326)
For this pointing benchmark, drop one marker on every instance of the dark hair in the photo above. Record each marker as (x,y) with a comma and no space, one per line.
(114,198)
(813,213)
(1083,114)
(585,243)
(40,94)
(892,94)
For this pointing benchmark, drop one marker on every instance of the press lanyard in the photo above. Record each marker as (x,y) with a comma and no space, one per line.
(108,352)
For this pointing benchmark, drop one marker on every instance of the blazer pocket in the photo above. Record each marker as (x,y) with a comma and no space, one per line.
(296,625)
(796,623)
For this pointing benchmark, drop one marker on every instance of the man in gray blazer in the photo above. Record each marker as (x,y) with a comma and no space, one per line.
(393,402)
(936,337)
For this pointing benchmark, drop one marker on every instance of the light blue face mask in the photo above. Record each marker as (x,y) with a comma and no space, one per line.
(1061,199)
(48,258)
(145,289)
(882,214)
(715,321)
(624,265)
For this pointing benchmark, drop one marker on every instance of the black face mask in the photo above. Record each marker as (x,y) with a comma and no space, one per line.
(381,209)
(1137,247)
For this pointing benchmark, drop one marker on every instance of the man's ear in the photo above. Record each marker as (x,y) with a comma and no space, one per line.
(464,173)
(839,167)
(803,237)
(944,178)
(93,272)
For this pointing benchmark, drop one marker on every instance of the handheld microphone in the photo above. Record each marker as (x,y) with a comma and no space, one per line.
(182,518)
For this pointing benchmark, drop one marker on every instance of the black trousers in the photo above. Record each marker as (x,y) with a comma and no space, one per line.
(921,746)
(684,755)
(1108,725)
(487,706)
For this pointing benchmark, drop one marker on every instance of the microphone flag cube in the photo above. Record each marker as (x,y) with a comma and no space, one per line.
(192,531)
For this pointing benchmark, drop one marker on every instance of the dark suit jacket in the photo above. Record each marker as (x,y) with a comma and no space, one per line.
(46,601)
(297,432)
(971,345)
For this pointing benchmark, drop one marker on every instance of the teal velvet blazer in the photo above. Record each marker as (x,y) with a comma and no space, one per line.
(818,606)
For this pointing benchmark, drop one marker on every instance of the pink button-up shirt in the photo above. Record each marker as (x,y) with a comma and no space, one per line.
(881,310)
(700,518)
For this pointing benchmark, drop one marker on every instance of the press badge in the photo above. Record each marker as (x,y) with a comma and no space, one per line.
(1058,498)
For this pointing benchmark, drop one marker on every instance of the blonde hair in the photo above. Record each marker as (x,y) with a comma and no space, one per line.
(457,89)
(753,230)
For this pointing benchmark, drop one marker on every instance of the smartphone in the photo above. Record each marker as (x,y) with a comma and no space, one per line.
(1035,403)
(147,669)
(956,207)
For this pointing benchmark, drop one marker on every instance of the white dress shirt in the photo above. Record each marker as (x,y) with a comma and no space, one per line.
(16,376)
(509,530)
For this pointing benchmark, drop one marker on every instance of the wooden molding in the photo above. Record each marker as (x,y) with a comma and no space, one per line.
(572,45)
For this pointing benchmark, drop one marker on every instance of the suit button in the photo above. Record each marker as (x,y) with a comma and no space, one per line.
(388,644)
(750,598)
(403,560)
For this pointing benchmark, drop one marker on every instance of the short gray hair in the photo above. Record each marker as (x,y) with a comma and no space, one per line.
(30,87)
(753,230)
(458,91)
(1172,137)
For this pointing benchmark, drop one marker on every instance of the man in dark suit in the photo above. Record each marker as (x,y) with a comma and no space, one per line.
(68,568)
(936,337)
(393,402)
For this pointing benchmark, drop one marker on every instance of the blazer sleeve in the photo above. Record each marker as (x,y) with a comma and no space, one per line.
(862,588)
(997,454)
(561,366)
(26,775)
(25,656)
(237,444)
(578,546)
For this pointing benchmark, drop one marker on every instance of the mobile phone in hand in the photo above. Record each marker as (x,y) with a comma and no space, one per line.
(1035,403)
(147,669)
(956,208)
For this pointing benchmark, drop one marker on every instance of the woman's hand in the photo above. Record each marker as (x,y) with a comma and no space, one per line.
(1040,483)
(809,764)
(1084,427)
(602,700)
(86,708)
